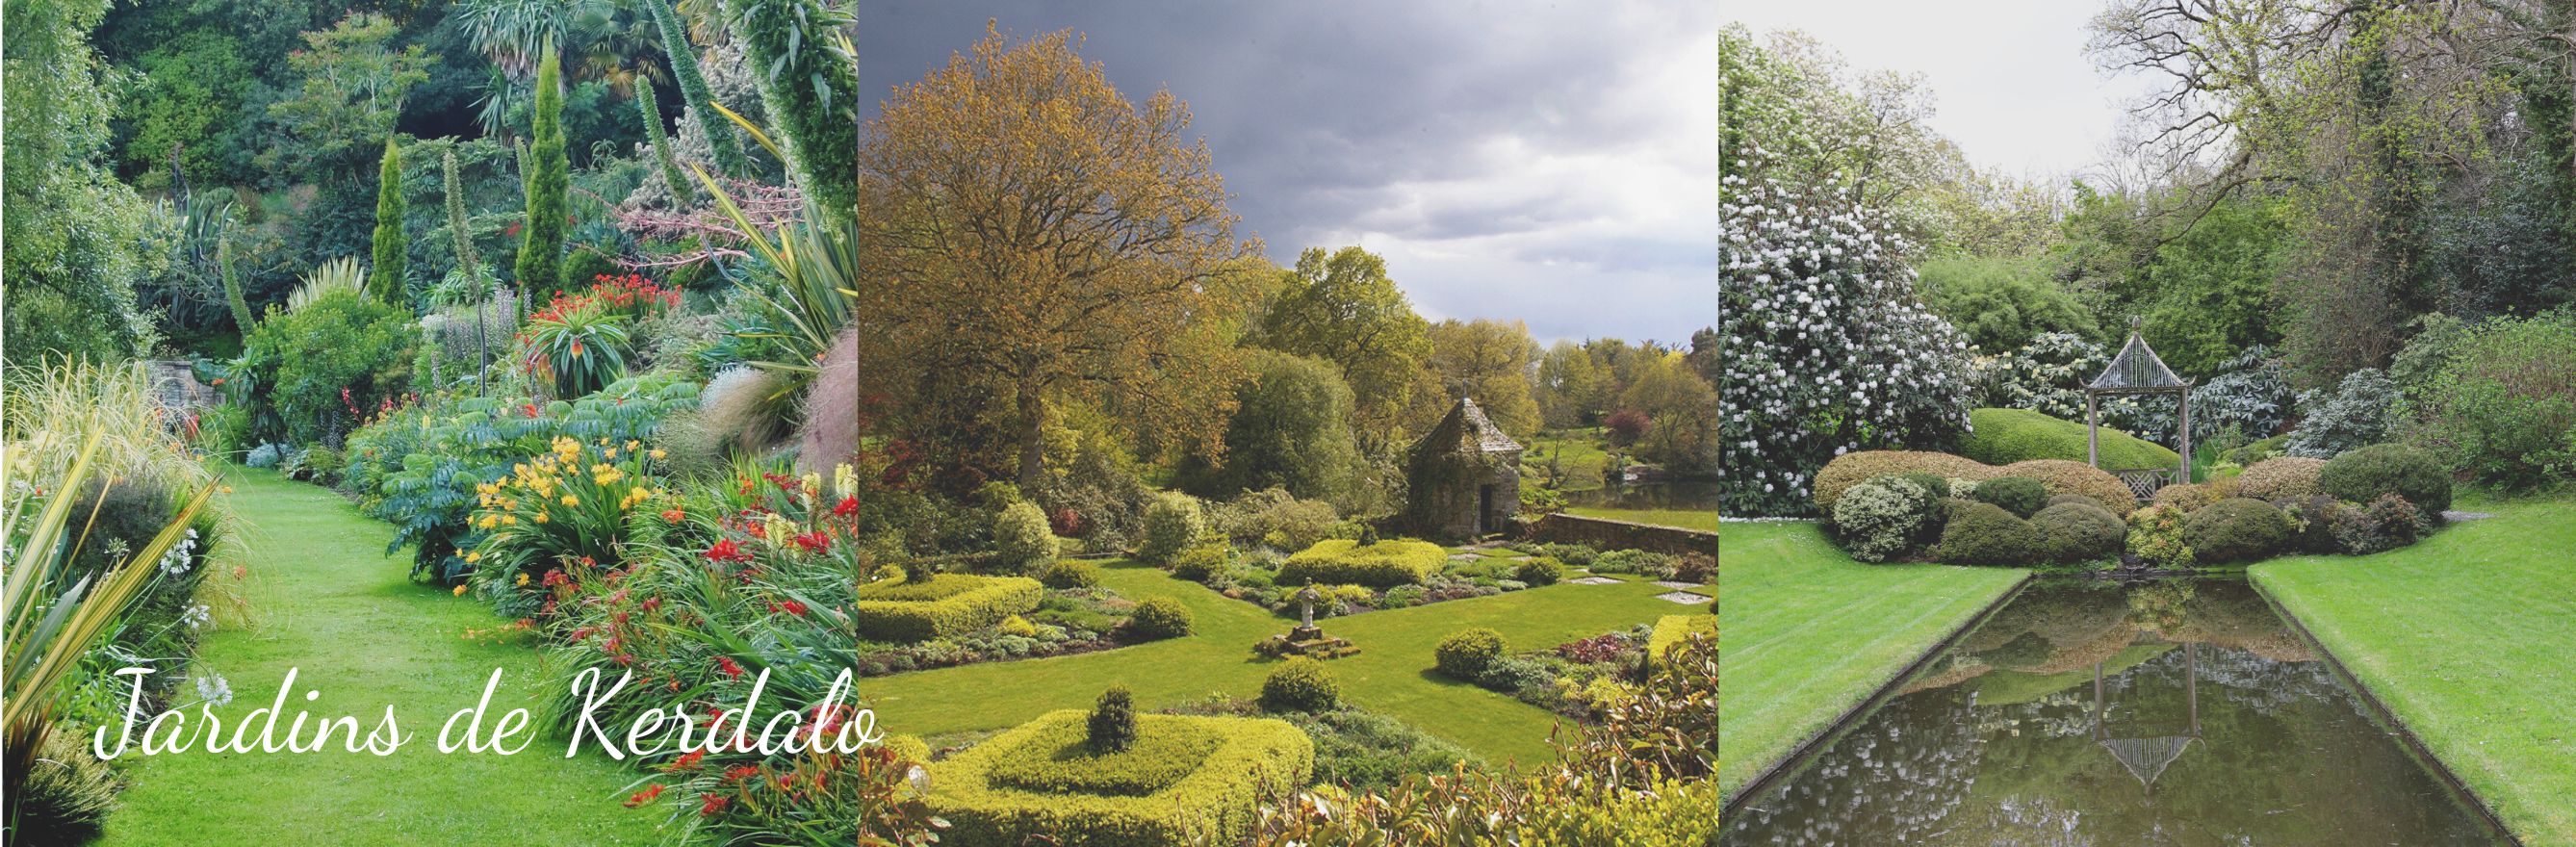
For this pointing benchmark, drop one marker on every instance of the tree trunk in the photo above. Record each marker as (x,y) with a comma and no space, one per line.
(1032,435)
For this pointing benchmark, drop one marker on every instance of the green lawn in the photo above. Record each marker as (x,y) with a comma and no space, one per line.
(1392,675)
(1810,633)
(1578,453)
(334,606)
(2467,637)
(1685,518)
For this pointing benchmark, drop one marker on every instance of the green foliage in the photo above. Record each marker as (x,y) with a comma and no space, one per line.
(1113,730)
(187,92)
(67,793)
(942,606)
(71,269)
(393,248)
(1341,307)
(1985,534)
(651,111)
(2236,529)
(1198,563)
(1022,539)
(354,81)
(1342,561)
(1681,409)
(2005,436)
(299,362)
(1881,519)
(1172,522)
(1300,684)
(1160,617)
(546,179)
(2280,477)
(2504,406)
(2364,475)
(2313,519)
(2156,537)
(1065,574)
(1860,466)
(1466,654)
(1216,800)
(2021,496)
(801,57)
(1539,570)
(1274,518)
(693,88)
(1672,631)
(578,348)
(2001,304)
(2387,523)
(2361,411)
(1291,430)
(2078,530)
(1114,761)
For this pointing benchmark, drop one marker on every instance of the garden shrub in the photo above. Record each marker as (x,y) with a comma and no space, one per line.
(2005,436)
(1573,555)
(2366,474)
(2019,495)
(2156,537)
(67,793)
(1069,762)
(1986,534)
(1070,573)
(1641,562)
(2066,477)
(266,456)
(2312,522)
(943,605)
(1934,485)
(1274,518)
(1217,801)
(1672,630)
(2361,411)
(300,362)
(1172,522)
(1466,654)
(2237,529)
(2387,523)
(1021,538)
(1113,726)
(1160,617)
(1199,562)
(1384,564)
(2505,405)
(2077,530)
(1300,684)
(1539,570)
(2276,478)
(2187,497)
(1881,519)
(1695,567)
(1369,751)
(1851,469)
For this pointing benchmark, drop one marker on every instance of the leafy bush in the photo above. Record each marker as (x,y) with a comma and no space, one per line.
(1641,562)
(2077,530)
(1347,562)
(1274,518)
(2313,519)
(2046,375)
(2156,537)
(576,346)
(2237,529)
(1986,534)
(2276,478)
(266,455)
(1852,469)
(2019,495)
(2002,303)
(2387,523)
(1881,519)
(2366,474)
(1539,570)
(2186,497)
(2361,411)
(2005,436)
(1022,539)
(1172,522)
(944,605)
(1466,654)
(1198,563)
(1159,617)
(1300,684)
(321,367)
(2251,395)
(2504,407)
(1216,799)
(2078,478)
(1070,574)
(1113,730)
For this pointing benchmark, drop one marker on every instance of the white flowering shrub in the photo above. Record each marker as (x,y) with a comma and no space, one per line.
(1825,348)
(2046,375)
(1881,519)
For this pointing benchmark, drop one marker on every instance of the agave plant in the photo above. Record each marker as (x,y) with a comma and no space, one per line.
(330,276)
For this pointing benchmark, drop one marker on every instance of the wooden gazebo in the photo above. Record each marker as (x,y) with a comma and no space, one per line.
(2147,756)
(2137,370)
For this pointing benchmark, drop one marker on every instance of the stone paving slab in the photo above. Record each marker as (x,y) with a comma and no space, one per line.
(1683,597)
(1594,580)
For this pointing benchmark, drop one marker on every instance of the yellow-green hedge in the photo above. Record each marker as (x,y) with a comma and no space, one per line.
(1341,561)
(1671,630)
(2059,475)
(1219,799)
(963,603)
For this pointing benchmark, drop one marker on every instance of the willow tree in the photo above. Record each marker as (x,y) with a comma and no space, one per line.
(546,171)
(693,89)
(809,78)
(1095,264)
(391,247)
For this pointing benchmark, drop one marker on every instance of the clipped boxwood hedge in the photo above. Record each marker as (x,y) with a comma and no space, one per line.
(1060,759)
(2005,436)
(1342,561)
(2237,529)
(943,605)
(1985,534)
(2059,475)
(2364,475)
(2280,478)
(1218,799)
(2077,530)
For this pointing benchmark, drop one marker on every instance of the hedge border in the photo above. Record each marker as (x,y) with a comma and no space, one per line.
(1219,799)
(966,611)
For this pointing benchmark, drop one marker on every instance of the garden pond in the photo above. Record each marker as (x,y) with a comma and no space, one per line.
(2178,712)
(1687,495)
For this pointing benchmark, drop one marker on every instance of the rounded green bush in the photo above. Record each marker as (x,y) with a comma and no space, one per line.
(1070,573)
(1198,563)
(1300,685)
(2078,530)
(2363,475)
(1021,538)
(1465,654)
(1985,534)
(2005,436)
(1160,617)
(1881,519)
(2186,497)
(2019,495)
(2237,529)
(1539,570)
(1112,727)
(1173,522)
(2313,519)
(2281,477)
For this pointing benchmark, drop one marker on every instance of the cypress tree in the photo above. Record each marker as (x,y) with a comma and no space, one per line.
(541,250)
(812,90)
(671,172)
(386,282)
(693,90)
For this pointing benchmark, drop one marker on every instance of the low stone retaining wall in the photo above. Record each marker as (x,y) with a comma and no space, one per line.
(1610,534)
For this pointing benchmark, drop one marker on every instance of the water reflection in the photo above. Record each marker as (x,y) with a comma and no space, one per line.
(1674,494)
(2176,713)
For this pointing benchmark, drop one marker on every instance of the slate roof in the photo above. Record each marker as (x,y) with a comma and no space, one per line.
(1467,424)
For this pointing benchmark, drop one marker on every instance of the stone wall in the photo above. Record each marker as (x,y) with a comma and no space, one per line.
(1609,534)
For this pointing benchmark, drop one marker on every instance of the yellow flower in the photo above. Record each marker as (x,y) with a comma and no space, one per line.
(541,518)
(523,578)
(631,444)
(658,454)
(609,453)
(227,489)
(570,500)
(473,557)
(460,591)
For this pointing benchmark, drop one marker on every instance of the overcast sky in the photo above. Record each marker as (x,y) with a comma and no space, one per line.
(1548,162)
(2014,87)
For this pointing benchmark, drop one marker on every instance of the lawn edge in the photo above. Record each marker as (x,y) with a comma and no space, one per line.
(1732,804)
(2386,716)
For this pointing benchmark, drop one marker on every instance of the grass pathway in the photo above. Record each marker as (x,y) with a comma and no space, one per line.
(333,605)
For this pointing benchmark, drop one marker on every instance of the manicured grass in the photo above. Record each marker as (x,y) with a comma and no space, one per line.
(1392,675)
(1578,453)
(2467,637)
(1810,633)
(332,605)
(1705,520)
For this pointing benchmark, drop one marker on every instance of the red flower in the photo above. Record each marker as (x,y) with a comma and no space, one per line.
(814,542)
(726,664)
(529,409)
(687,761)
(727,551)
(556,577)
(787,607)
(645,796)
(739,772)
(849,506)
(672,515)
(714,803)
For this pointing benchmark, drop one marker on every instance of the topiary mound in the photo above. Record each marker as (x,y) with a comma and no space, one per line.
(2364,475)
(1985,534)
(1343,561)
(1160,617)
(2237,529)
(2019,495)
(2282,477)
(2066,477)
(1069,574)
(1465,654)
(2005,436)
(942,605)
(2078,530)
(1881,519)
(2058,475)
(2186,497)
(1184,778)
(1300,685)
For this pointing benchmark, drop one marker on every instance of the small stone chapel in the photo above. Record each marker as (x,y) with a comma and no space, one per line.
(1463,478)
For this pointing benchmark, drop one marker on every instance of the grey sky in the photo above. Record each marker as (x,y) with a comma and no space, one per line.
(1548,162)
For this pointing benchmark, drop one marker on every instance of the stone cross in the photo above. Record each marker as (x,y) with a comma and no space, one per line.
(1306,606)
